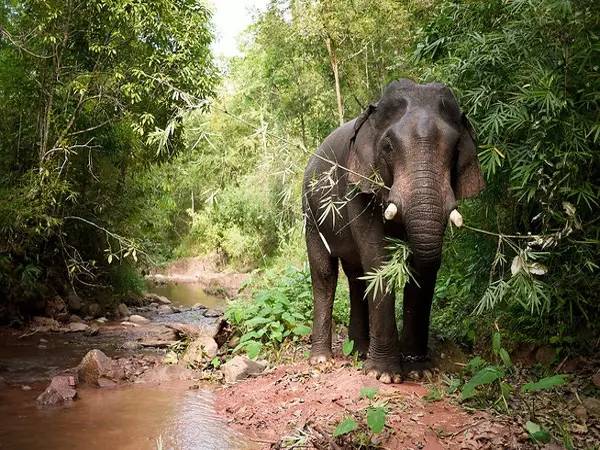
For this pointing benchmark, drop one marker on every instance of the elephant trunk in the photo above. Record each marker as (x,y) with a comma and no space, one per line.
(425,211)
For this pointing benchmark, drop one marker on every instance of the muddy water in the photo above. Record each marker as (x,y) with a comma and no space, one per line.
(186,294)
(126,418)
(169,416)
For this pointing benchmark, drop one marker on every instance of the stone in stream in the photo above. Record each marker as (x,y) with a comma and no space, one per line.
(165,309)
(200,350)
(76,318)
(140,320)
(192,323)
(122,310)
(61,390)
(74,302)
(94,310)
(75,327)
(95,365)
(56,308)
(241,367)
(150,297)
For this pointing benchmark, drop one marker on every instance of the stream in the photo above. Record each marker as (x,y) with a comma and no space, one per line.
(168,416)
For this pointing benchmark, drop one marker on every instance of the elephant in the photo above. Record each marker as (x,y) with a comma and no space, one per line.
(395,171)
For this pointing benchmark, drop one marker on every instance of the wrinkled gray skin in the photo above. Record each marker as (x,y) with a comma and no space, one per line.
(421,145)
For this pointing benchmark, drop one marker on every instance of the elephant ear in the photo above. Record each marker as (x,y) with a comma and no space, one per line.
(467,180)
(361,157)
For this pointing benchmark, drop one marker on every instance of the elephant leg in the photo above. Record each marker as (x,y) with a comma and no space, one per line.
(415,330)
(384,357)
(358,330)
(324,273)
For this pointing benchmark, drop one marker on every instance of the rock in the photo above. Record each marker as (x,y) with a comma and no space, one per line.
(74,327)
(56,308)
(61,390)
(135,318)
(74,302)
(596,380)
(76,318)
(122,310)
(161,374)
(131,345)
(545,355)
(25,387)
(213,313)
(241,367)
(45,324)
(96,365)
(106,383)
(101,320)
(592,405)
(129,324)
(94,310)
(165,309)
(155,298)
(200,350)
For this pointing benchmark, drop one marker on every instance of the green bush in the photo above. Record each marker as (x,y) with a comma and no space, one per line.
(280,310)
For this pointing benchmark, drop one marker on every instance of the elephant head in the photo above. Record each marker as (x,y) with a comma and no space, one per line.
(419,143)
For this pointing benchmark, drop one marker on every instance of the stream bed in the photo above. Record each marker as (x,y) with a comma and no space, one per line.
(173,415)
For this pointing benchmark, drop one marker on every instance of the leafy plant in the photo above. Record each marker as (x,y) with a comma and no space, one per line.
(345,426)
(274,314)
(347,347)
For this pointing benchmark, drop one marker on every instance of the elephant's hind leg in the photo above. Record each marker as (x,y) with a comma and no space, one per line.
(358,331)
(324,273)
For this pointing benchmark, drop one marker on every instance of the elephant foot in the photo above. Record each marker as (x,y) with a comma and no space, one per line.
(385,371)
(317,358)
(418,368)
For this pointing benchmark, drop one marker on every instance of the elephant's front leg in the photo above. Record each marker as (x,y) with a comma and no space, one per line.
(416,313)
(384,357)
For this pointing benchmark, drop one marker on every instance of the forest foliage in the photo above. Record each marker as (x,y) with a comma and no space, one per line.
(106,118)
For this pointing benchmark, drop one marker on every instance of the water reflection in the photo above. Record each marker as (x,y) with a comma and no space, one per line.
(127,418)
(186,294)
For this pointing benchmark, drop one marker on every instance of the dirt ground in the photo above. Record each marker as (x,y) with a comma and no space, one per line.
(302,404)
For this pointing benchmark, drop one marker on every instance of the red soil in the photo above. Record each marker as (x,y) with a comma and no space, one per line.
(298,397)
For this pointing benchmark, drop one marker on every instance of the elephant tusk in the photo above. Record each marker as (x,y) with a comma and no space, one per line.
(456,218)
(390,212)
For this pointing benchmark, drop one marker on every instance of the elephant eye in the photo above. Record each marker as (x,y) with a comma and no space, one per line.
(387,144)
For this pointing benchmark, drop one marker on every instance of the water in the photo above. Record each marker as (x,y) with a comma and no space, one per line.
(123,418)
(186,294)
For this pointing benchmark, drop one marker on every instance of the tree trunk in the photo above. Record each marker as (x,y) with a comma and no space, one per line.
(336,76)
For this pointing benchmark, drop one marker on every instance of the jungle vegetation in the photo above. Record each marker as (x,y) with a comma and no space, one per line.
(123,145)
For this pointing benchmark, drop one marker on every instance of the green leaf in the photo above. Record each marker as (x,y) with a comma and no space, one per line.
(496,342)
(485,376)
(545,383)
(368,392)
(475,364)
(505,357)
(253,349)
(376,419)
(216,362)
(345,426)
(433,395)
(537,433)
(301,330)
(453,386)
(256,321)
(347,347)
